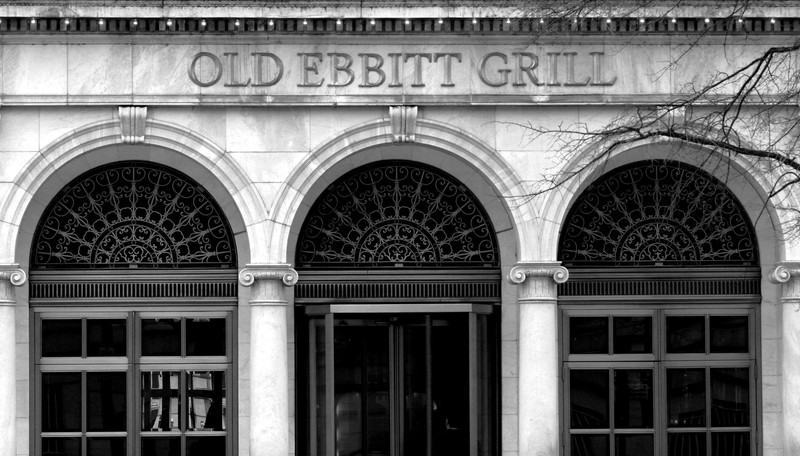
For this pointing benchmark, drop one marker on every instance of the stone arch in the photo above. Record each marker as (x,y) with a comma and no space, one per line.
(735,172)
(101,143)
(477,166)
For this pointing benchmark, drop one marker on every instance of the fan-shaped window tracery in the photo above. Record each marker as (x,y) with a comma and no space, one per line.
(397,214)
(133,214)
(657,213)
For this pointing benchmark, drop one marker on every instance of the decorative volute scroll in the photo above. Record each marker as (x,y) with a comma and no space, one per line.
(10,276)
(787,274)
(133,215)
(397,214)
(657,213)
(537,280)
(132,122)
(404,123)
(253,272)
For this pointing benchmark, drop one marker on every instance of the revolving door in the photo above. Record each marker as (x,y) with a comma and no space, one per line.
(393,384)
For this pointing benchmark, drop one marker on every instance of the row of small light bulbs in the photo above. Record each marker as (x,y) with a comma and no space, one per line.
(237,23)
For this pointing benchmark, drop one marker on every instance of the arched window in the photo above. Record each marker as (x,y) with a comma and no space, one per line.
(399,278)
(133,291)
(658,318)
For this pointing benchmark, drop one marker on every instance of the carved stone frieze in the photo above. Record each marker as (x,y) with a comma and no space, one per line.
(404,123)
(132,122)
(282,272)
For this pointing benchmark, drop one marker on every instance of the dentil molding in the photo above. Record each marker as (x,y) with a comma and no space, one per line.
(282,272)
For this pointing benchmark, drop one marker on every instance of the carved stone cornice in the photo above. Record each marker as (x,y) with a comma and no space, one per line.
(13,274)
(282,272)
(519,273)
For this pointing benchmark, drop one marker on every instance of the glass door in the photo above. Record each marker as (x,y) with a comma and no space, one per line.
(400,385)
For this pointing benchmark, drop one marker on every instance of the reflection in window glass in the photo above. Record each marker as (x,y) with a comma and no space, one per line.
(106,407)
(685,444)
(686,397)
(730,443)
(205,446)
(161,337)
(105,337)
(729,334)
(61,402)
(161,446)
(160,401)
(633,335)
(588,335)
(205,337)
(634,445)
(105,446)
(61,338)
(686,334)
(633,398)
(589,399)
(730,397)
(206,396)
(61,446)
(590,445)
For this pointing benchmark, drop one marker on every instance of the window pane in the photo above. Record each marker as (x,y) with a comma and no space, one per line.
(61,402)
(61,446)
(633,335)
(105,337)
(687,444)
(730,443)
(633,398)
(729,334)
(730,397)
(205,446)
(106,406)
(590,445)
(161,337)
(634,445)
(161,446)
(61,338)
(205,337)
(588,335)
(160,401)
(105,446)
(588,391)
(686,398)
(686,335)
(206,396)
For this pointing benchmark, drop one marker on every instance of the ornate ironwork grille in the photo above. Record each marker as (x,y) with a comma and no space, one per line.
(657,213)
(133,214)
(397,214)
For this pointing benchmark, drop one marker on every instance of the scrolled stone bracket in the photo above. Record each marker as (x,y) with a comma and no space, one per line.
(518,274)
(133,123)
(14,274)
(404,123)
(282,272)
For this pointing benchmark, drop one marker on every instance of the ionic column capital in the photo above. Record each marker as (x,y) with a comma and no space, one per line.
(13,273)
(519,273)
(784,272)
(282,272)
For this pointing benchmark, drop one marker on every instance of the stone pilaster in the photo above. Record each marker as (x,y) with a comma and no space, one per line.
(269,368)
(10,276)
(539,424)
(788,274)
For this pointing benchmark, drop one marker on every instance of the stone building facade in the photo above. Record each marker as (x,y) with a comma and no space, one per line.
(279,228)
